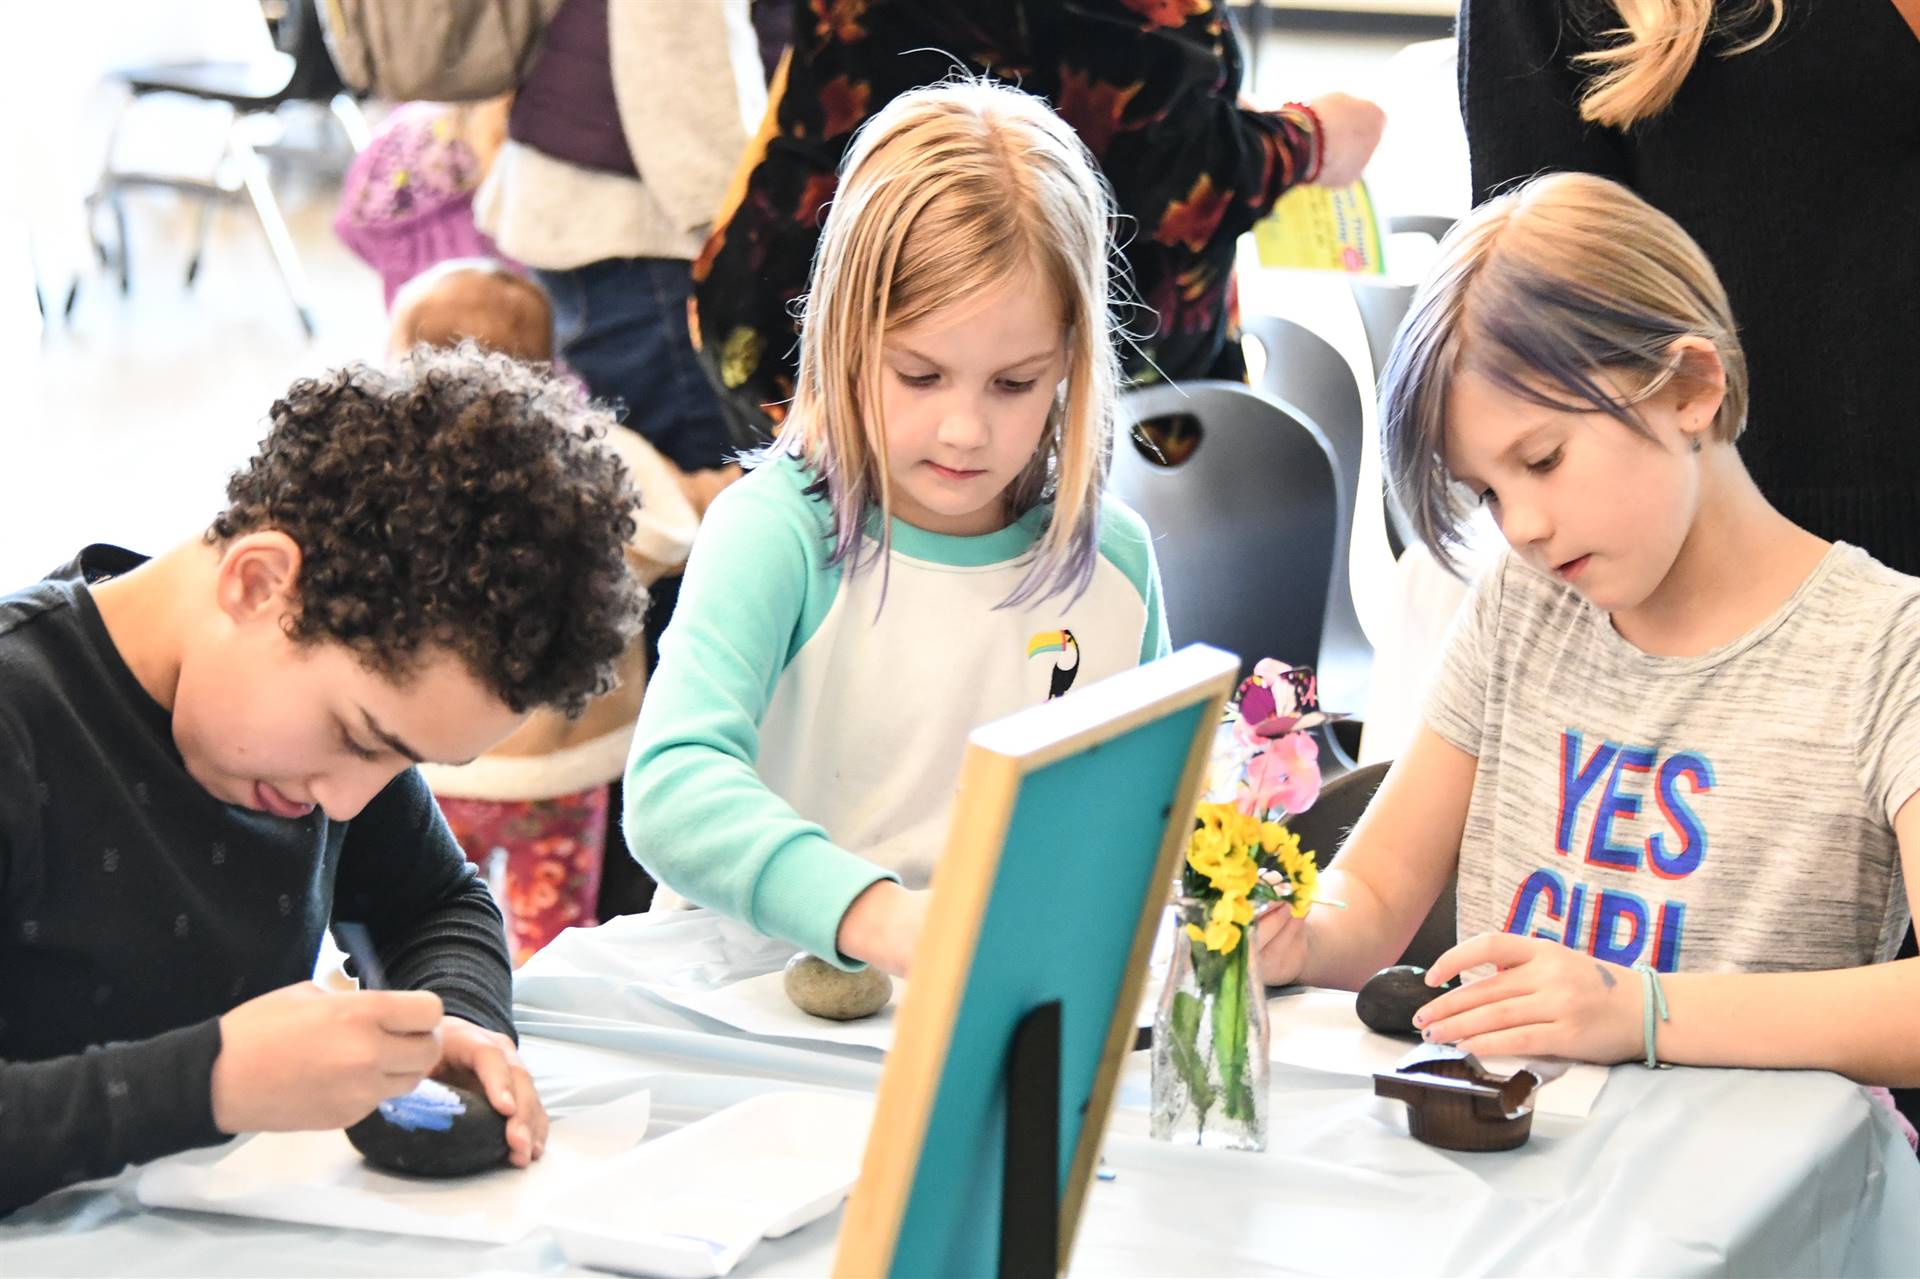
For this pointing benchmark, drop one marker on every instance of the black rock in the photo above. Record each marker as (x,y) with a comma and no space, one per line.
(476,1142)
(1392,996)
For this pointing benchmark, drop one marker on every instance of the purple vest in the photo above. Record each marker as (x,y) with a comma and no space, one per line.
(565,107)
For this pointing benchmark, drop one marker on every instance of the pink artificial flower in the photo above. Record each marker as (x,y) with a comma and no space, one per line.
(1285,776)
(1256,698)
(1278,699)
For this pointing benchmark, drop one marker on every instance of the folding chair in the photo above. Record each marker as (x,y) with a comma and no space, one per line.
(300,70)
(1243,498)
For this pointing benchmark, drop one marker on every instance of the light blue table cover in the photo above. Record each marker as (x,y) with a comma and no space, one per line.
(1679,1172)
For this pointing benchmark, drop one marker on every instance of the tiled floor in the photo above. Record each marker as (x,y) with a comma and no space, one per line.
(137,407)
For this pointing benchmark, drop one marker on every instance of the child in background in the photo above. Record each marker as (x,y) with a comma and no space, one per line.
(926,546)
(1673,744)
(407,199)
(532,812)
(208,756)
(478,299)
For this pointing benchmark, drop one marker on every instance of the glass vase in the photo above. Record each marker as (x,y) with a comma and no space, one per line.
(1210,1045)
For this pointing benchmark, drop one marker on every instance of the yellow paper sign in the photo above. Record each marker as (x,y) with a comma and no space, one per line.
(1316,229)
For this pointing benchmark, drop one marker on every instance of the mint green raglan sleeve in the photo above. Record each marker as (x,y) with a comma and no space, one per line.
(1126,540)
(697,815)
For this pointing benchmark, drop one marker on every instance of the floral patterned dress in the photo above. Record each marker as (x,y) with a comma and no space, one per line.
(1150,85)
(554,850)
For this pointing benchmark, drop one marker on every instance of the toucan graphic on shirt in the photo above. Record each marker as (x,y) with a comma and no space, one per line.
(1068,665)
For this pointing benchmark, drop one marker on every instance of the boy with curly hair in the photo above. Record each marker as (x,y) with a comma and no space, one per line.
(207,756)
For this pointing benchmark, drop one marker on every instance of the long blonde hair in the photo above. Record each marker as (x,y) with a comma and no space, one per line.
(1658,43)
(1556,292)
(947,192)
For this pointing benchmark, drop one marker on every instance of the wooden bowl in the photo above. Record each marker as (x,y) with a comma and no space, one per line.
(1455,1103)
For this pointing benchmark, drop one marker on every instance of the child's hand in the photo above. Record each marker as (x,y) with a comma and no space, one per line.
(302,1058)
(1546,1001)
(883,925)
(1282,945)
(470,1056)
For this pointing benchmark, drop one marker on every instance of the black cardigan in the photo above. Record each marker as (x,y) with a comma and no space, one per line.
(1796,166)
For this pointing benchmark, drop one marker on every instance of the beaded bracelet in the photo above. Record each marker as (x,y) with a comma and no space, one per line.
(1316,140)
(1652,999)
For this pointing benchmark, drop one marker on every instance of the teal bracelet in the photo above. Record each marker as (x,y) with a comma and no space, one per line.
(1652,998)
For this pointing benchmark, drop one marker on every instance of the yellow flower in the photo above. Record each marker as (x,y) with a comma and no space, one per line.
(1276,838)
(1306,880)
(1214,816)
(1235,876)
(1234,910)
(1207,847)
(1219,936)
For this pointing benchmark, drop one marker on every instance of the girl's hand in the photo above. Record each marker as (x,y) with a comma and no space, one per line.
(882,927)
(1350,130)
(1280,941)
(1546,1001)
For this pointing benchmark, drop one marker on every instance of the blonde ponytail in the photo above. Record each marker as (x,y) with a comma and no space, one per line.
(1658,43)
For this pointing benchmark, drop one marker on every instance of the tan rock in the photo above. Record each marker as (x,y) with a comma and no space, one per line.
(817,987)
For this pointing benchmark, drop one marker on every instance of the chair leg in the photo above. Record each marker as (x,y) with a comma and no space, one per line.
(253,172)
(119,207)
(116,256)
(108,190)
(202,225)
(353,121)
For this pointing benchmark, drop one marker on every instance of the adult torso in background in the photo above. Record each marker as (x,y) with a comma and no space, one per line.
(1145,83)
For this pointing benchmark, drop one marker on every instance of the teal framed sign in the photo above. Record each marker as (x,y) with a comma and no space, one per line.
(1067,832)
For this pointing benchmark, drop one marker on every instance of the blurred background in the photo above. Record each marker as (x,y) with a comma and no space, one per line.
(144,386)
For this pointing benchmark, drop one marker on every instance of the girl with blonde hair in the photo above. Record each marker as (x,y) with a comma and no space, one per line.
(1784,136)
(1673,746)
(926,546)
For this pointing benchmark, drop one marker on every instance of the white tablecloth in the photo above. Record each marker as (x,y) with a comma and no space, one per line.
(1676,1172)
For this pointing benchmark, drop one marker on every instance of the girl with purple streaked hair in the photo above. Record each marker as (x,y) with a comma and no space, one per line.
(925,547)
(1672,753)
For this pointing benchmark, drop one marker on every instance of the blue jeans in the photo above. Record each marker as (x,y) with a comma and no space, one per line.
(622,326)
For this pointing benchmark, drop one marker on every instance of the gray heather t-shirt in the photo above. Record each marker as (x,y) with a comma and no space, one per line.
(1731,811)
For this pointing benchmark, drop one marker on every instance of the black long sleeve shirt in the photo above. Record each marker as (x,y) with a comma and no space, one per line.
(1796,166)
(135,908)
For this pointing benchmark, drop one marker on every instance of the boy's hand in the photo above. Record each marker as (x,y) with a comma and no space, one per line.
(488,1062)
(883,925)
(1546,1001)
(302,1058)
(1280,941)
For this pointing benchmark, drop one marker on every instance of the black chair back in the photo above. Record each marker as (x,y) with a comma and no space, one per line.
(1244,508)
(1305,373)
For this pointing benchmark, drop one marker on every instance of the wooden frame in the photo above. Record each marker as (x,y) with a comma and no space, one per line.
(1155,726)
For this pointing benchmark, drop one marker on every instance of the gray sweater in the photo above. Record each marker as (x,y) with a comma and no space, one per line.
(688,84)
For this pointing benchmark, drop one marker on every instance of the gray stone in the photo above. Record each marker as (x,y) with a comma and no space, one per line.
(817,987)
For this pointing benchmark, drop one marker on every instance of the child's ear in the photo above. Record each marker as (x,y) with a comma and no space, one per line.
(1699,383)
(258,576)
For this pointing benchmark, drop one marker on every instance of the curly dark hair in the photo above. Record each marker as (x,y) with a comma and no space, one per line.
(456,500)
